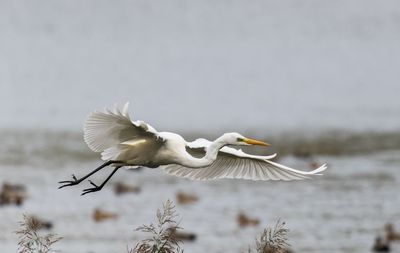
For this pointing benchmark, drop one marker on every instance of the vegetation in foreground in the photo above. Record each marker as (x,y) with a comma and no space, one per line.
(31,240)
(272,240)
(162,237)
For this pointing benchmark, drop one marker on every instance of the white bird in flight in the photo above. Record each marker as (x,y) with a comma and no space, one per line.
(132,144)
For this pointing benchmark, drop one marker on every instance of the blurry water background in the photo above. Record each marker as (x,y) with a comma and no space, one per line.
(315,78)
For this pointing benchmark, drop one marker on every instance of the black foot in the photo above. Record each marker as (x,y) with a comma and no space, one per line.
(75,181)
(96,188)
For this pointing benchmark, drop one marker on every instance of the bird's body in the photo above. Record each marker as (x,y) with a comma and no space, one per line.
(123,142)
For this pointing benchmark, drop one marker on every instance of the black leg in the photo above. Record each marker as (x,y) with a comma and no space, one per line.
(76,181)
(99,187)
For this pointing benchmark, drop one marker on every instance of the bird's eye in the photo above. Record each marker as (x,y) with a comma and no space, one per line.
(239,139)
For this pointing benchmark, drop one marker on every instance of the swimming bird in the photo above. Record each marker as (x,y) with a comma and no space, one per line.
(391,233)
(185,198)
(132,144)
(243,220)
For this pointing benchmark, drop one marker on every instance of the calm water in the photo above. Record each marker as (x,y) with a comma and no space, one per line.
(316,77)
(341,211)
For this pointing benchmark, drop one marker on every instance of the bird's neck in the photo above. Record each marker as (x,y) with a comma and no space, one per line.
(210,156)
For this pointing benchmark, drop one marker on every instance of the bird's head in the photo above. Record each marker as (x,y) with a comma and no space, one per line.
(238,139)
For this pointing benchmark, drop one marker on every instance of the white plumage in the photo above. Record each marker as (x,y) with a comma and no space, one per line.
(234,163)
(118,138)
(123,142)
(137,143)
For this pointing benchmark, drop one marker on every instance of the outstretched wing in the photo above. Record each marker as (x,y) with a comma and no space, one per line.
(111,131)
(233,163)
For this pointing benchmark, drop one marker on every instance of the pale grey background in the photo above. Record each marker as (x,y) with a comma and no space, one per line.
(202,65)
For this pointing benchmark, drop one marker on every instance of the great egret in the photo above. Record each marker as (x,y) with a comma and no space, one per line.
(123,142)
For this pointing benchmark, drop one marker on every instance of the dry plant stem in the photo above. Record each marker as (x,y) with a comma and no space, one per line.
(30,241)
(272,240)
(162,240)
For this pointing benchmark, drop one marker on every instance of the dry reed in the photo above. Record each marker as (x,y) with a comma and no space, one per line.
(161,240)
(272,240)
(30,240)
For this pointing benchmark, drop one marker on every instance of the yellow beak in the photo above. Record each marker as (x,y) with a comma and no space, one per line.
(255,142)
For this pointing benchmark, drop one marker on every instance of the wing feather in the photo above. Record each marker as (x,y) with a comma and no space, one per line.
(105,130)
(233,163)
